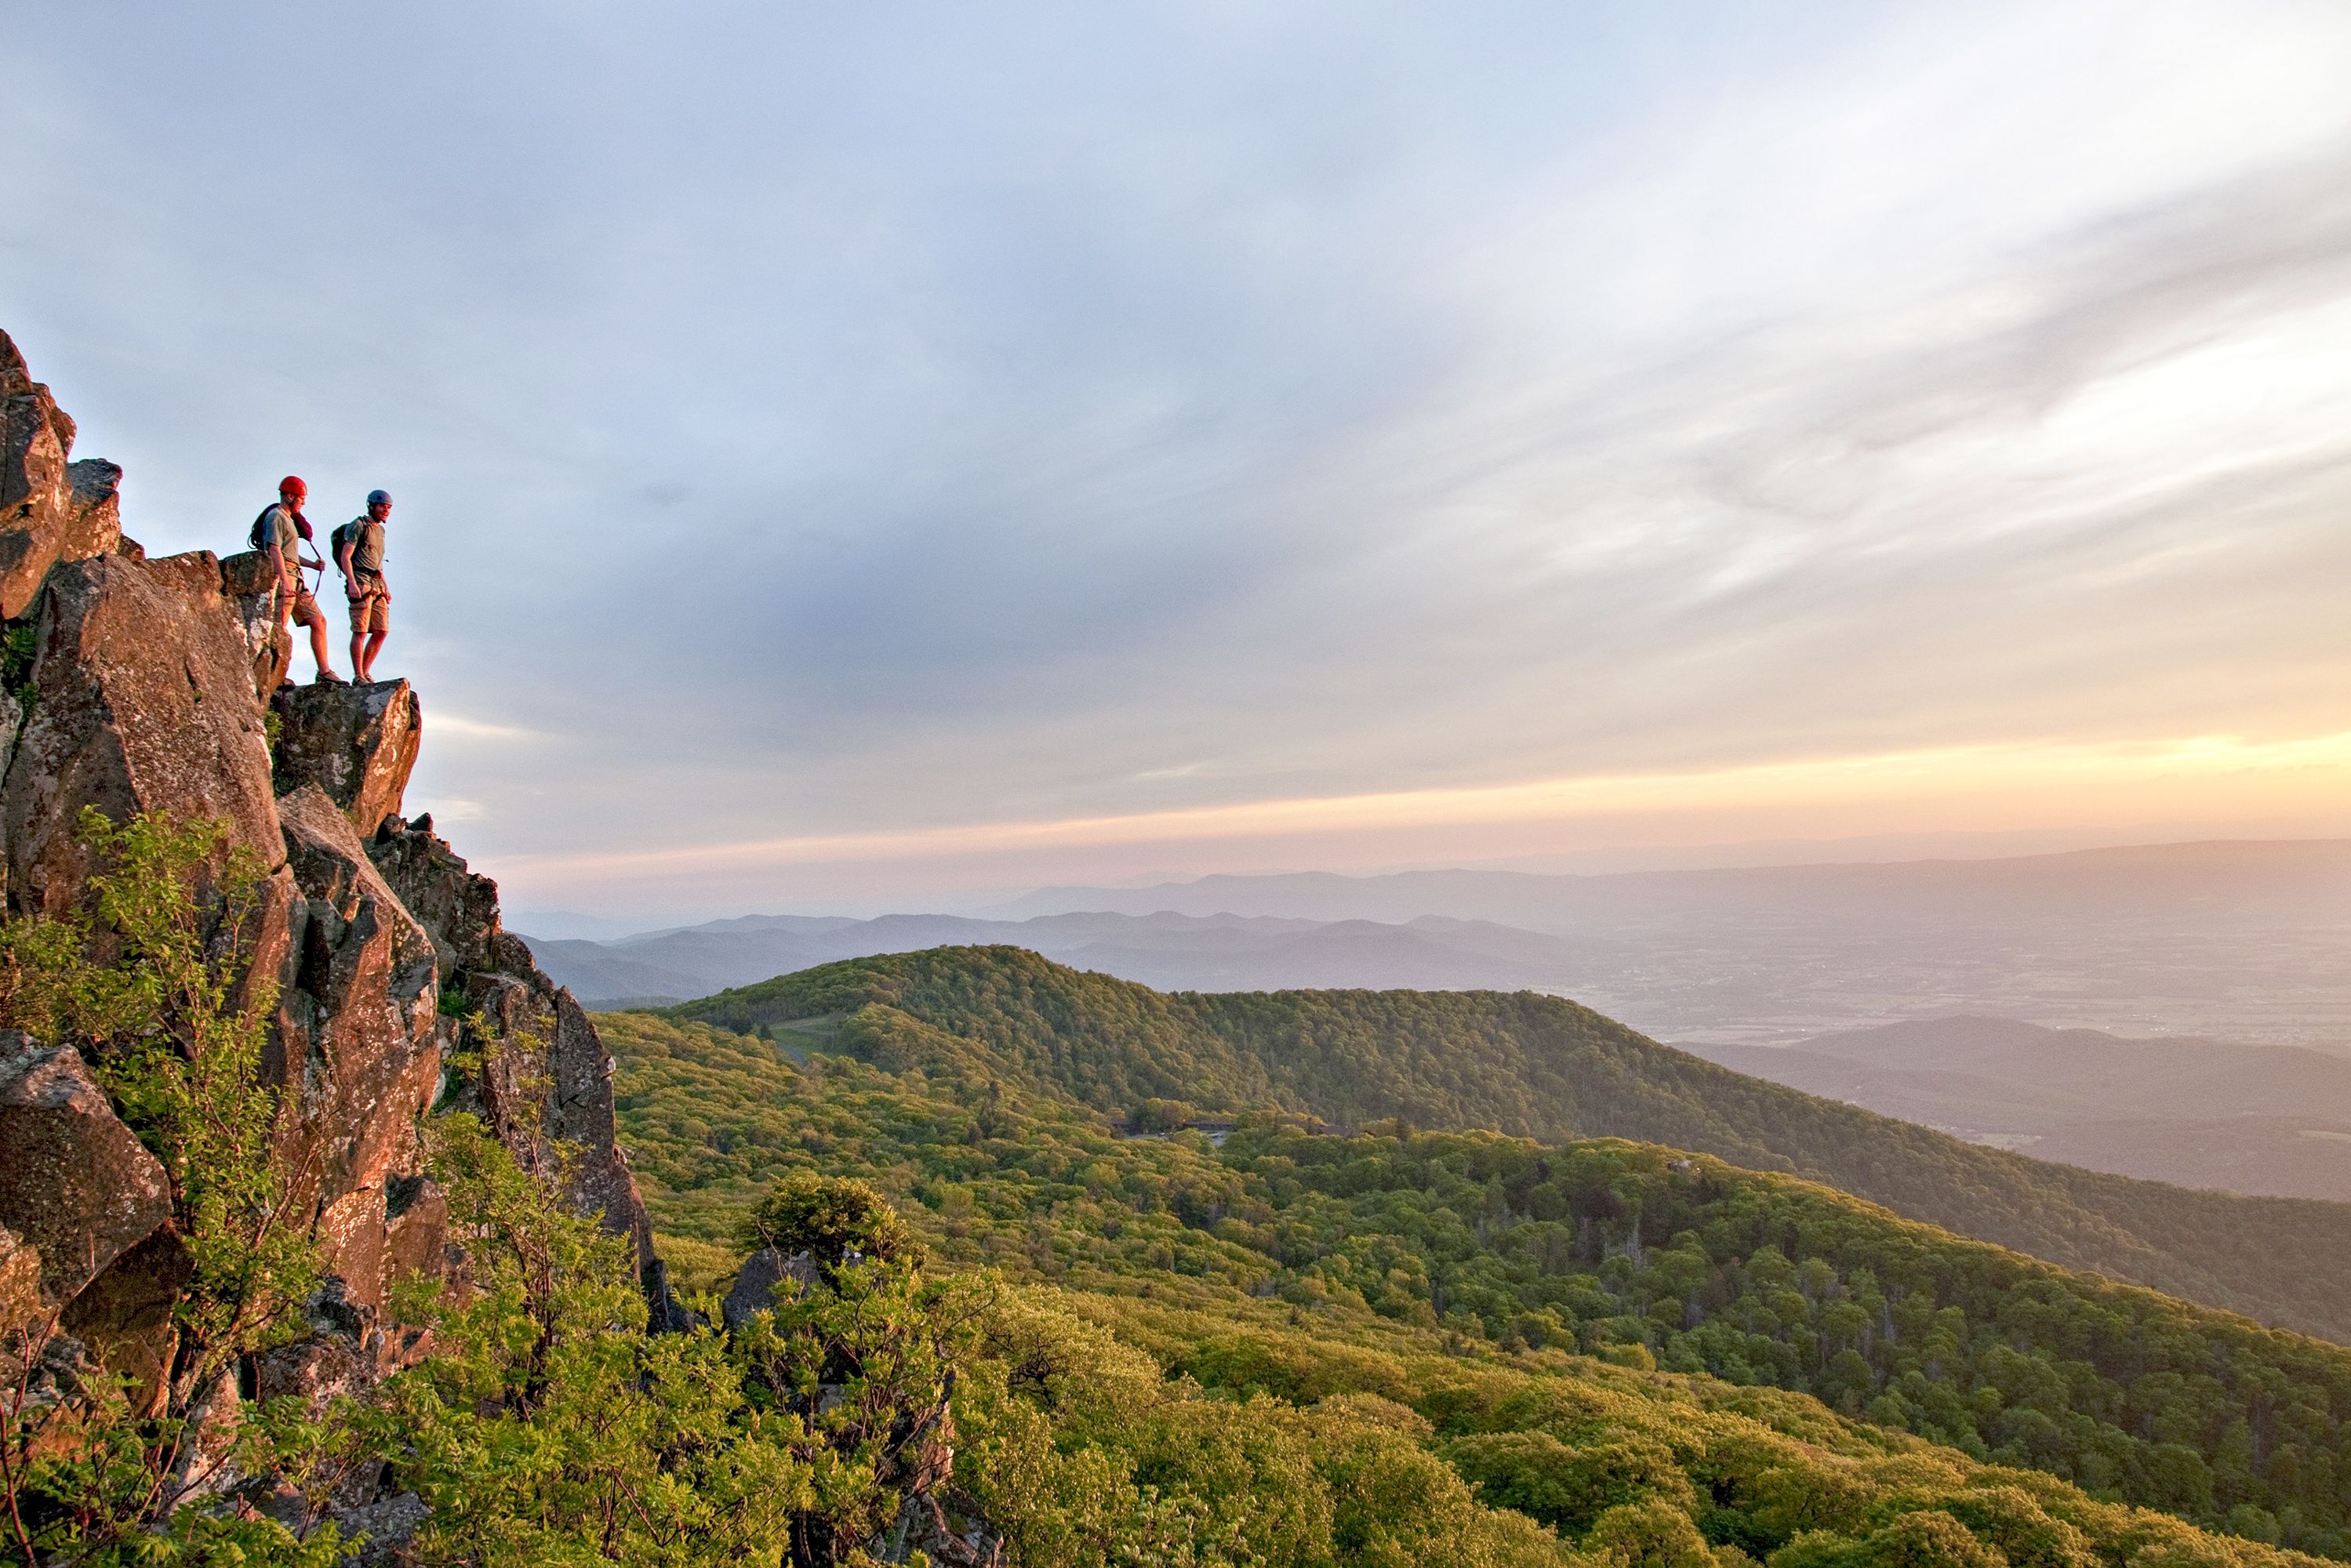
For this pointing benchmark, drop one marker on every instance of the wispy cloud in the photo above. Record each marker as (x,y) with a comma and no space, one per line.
(1155,416)
(474,729)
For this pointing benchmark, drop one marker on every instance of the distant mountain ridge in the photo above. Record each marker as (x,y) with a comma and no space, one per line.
(1222,952)
(1542,1067)
(2082,1068)
(2243,941)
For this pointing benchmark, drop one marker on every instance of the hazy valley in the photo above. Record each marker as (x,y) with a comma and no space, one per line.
(2253,1119)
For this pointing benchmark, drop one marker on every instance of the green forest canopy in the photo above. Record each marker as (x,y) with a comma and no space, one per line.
(1540,1067)
(1628,1252)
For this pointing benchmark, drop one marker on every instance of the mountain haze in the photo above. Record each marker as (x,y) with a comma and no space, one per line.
(2260,1119)
(2246,941)
(2260,880)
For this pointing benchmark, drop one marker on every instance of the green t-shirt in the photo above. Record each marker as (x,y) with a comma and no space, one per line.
(367,550)
(279,533)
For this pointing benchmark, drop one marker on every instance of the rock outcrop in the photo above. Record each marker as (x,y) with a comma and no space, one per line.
(357,1046)
(546,1080)
(140,699)
(356,743)
(460,910)
(76,1184)
(134,686)
(51,509)
(754,1289)
(250,583)
(93,1205)
(123,1318)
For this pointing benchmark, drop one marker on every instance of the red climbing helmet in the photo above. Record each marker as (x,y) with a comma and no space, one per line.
(293,482)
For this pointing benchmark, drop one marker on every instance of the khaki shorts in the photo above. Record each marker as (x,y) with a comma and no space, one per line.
(306,608)
(371,612)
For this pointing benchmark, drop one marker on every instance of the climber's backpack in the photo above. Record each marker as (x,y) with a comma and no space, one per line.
(344,534)
(256,539)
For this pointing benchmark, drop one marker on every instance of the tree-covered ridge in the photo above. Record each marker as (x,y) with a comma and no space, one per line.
(1545,1067)
(1648,1470)
(1030,1022)
(1625,1251)
(1036,1184)
(1765,1279)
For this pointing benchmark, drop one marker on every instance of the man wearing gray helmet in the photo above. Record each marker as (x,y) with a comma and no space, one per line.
(359,552)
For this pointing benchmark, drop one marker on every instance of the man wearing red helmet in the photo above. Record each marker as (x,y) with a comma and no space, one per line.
(280,533)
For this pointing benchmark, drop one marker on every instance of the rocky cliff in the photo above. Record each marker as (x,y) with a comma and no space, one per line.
(137,685)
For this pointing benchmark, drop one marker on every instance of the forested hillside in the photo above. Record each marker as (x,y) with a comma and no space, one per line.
(1540,1067)
(1510,1248)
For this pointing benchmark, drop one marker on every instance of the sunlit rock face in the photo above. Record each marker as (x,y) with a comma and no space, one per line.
(133,686)
(358,744)
(52,509)
(250,583)
(360,1039)
(140,698)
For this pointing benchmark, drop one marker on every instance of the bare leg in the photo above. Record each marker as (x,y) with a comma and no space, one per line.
(286,639)
(374,646)
(318,645)
(360,656)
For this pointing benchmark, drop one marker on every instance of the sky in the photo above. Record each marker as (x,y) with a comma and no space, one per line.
(889,457)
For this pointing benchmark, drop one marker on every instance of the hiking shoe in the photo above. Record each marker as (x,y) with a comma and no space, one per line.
(328,678)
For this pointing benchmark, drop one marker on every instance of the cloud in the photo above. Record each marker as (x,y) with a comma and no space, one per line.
(2315,770)
(474,729)
(1087,416)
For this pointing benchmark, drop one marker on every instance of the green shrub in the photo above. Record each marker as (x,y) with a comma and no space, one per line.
(149,981)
